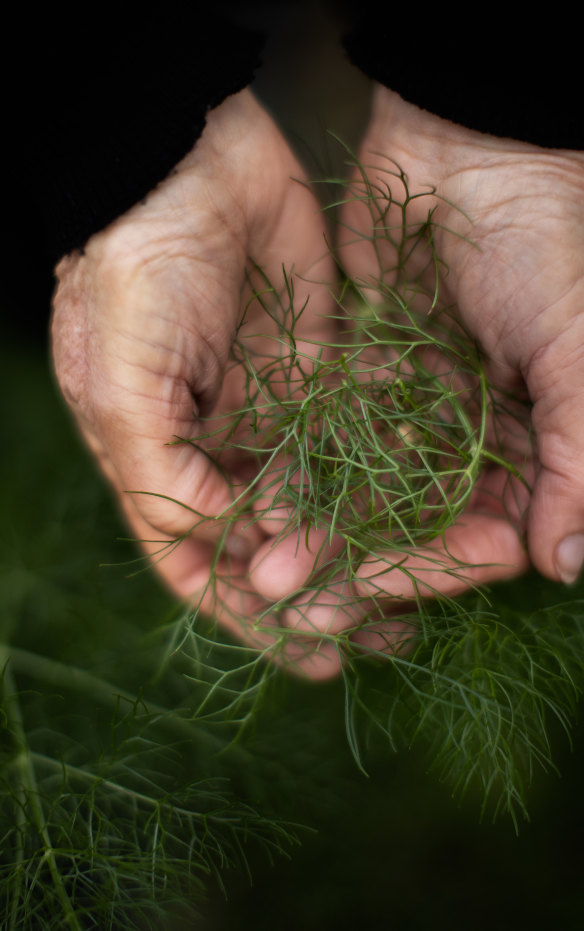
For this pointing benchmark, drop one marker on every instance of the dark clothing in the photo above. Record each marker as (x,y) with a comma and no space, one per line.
(114,108)
(521,79)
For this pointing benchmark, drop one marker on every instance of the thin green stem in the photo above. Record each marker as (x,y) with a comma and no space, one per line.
(29,799)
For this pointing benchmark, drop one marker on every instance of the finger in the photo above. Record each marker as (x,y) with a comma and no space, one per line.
(219,588)
(556,517)
(271,507)
(149,448)
(247,617)
(228,598)
(185,565)
(478,549)
(502,493)
(317,616)
(328,610)
(281,567)
(386,638)
(174,484)
(325,614)
(291,249)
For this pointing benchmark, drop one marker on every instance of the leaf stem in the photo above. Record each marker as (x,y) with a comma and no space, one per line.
(29,796)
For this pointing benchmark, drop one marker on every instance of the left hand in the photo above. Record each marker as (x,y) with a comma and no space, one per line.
(144,318)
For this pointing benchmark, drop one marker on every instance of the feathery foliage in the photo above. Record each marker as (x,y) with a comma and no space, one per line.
(115,807)
(379,437)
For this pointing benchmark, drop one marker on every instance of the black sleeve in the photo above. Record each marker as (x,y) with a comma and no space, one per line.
(494,69)
(122,98)
(101,101)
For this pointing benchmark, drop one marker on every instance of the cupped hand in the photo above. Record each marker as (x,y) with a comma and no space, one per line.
(509,226)
(144,319)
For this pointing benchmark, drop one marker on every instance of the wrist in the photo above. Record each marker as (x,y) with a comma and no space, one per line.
(428,145)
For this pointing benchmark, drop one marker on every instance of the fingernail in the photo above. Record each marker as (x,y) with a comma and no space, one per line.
(238,547)
(570,558)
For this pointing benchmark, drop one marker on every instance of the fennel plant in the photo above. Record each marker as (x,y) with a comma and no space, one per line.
(380,438)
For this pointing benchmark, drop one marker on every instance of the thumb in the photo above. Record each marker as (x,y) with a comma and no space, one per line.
(556,515)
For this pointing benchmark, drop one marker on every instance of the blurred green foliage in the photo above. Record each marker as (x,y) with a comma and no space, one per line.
(389,851)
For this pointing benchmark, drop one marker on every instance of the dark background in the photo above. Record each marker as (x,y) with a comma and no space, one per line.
(392,851)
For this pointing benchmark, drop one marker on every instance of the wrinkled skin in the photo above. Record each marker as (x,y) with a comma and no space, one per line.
(519,289)
(145,317)
(514,248)
(143,322)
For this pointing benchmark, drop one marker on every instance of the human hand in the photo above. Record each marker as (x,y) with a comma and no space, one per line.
(509,226)
(143,322)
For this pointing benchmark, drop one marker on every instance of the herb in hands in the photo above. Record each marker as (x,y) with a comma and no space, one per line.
(365,451)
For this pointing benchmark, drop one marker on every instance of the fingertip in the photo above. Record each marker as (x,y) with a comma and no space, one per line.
(389,637)
(315,661)
(569,558)
(329,611)
(272,513)
(556,519)
(273,573)
(283,565)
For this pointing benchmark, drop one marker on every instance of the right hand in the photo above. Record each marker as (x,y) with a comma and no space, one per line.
(516,273)
(509,225)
